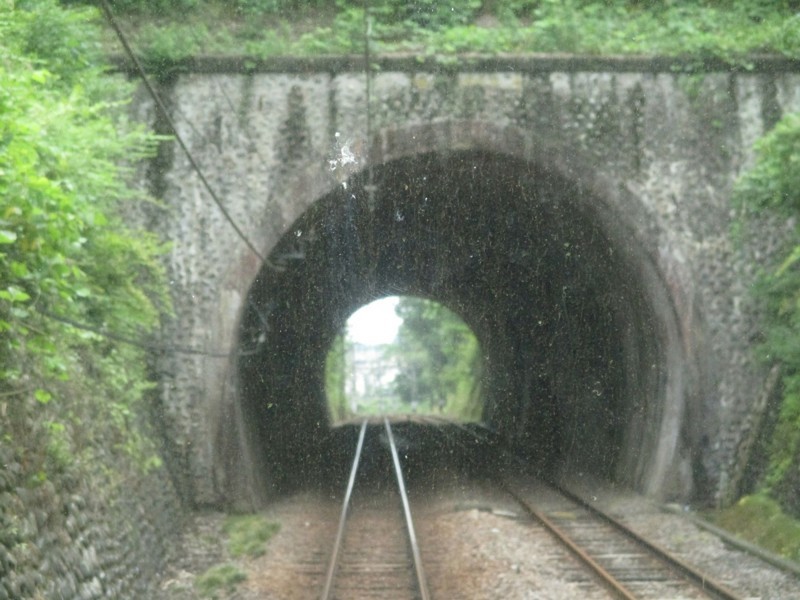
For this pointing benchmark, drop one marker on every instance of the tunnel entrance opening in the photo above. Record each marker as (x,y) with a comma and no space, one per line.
(404,355)
(574,321)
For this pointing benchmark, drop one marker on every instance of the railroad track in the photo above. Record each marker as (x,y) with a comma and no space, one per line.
(375,554)
(627,564)
(624,562)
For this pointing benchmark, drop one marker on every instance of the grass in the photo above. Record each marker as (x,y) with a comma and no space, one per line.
(760,520)
(219,578)
(247,537)
(248,534)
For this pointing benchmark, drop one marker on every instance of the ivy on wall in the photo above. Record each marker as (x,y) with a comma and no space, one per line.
(773,186)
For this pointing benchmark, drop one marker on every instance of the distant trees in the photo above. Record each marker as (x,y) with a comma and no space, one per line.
(335,378)
(438,358)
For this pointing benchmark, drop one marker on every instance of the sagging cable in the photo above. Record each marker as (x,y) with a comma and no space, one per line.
(170,123)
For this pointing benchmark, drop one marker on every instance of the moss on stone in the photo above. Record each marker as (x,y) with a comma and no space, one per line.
(759,519)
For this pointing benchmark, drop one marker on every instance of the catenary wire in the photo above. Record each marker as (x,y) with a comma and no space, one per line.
(139,343)
(165,114)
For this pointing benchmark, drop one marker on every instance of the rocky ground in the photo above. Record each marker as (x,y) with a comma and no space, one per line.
(475,543)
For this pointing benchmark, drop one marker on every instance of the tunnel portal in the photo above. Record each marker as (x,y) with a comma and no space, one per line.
(571,315)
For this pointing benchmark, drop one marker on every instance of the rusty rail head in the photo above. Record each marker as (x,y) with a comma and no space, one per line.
(708,584)
(608,580)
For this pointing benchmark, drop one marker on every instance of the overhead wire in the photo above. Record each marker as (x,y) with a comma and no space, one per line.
(126,339)
(171,124)
(139,343)
(368,93)
(370,237)
(164,113)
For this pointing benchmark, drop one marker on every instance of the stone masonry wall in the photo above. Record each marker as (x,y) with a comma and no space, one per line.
(662,145)
(87,532)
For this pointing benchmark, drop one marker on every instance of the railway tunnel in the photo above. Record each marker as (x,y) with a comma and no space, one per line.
(584,370)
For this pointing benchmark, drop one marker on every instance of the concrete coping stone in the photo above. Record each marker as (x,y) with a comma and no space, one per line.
(512,63)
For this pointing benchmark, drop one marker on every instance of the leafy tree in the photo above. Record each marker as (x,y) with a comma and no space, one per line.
(66,254)
(438,357)
(335,376)
(774,185)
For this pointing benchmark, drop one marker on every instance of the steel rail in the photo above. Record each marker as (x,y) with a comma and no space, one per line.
(607,579)
(333,565)
(705,583)
(412,537)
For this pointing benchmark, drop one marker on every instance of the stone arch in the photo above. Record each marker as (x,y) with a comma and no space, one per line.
(655,446)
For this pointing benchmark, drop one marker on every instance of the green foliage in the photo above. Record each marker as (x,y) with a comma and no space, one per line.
(219,579)
(64,247)
(774,184)
(248,534)
(439,359)
(277,7)
(423,14)
(34,29)
(700,28)
(759,519)
(345,35)
(153,8)
(172,43)
(335,376)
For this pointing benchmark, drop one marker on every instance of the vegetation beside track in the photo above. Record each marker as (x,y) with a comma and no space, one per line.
(760,519)
(247,537)
(772,186)
(71,269)
(172,29)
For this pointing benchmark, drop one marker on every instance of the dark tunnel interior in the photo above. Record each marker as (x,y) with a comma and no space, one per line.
(573,349)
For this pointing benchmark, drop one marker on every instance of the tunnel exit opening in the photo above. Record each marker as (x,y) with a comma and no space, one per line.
(576,326)
(404,355)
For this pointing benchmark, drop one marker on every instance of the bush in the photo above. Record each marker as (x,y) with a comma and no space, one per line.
(66,255)
(760,520)
(774,185)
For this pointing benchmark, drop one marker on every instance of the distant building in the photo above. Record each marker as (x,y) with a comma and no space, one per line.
(370,376)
